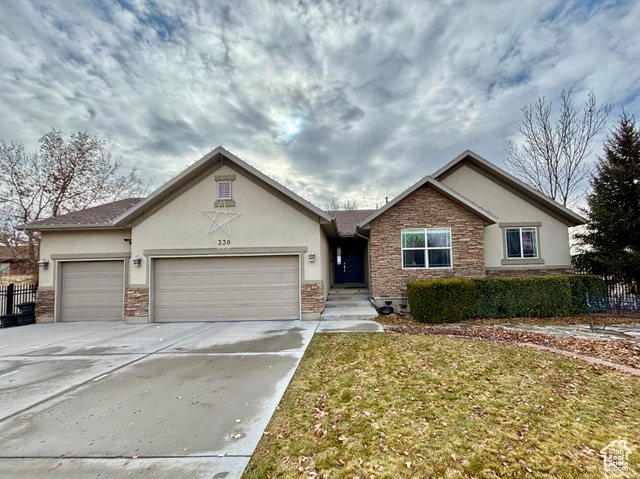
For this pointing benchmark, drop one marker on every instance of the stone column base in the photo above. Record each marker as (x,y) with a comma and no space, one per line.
(45,305)
(136,305)
(312,295)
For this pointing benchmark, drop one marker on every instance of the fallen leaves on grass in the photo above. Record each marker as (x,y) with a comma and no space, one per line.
(406,320)
(619,352)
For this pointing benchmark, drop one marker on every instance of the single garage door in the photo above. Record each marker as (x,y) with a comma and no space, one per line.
(226,289)
(92,290)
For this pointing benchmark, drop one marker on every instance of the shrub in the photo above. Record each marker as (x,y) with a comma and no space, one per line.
(581,284)
(441,300)
(454,300)
(530,296)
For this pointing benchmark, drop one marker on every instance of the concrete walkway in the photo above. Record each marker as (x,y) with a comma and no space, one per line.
(617,332)
(101,399)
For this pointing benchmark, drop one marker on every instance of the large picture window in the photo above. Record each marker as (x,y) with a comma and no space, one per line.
(521,243)
(426,248)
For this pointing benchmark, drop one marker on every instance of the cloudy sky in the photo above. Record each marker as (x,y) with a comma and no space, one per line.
(334,99)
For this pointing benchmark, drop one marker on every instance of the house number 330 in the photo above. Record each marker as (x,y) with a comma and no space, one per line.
(224,242)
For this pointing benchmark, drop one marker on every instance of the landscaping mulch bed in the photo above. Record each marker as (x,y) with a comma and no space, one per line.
(619,352)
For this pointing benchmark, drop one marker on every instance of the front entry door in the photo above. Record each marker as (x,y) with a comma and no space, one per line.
(348,261)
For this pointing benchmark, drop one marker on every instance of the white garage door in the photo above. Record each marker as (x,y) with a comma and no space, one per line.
(92,290)
(226,289)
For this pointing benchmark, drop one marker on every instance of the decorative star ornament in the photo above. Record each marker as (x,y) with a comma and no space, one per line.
(216,218)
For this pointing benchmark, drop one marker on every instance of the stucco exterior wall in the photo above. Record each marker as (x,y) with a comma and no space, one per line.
(80,245)
(424,208)
(265,221)
(510,207)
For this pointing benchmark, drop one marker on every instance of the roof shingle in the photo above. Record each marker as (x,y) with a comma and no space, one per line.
(349,219)
(96,216)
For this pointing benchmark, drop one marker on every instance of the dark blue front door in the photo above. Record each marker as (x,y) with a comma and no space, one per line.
(348,263)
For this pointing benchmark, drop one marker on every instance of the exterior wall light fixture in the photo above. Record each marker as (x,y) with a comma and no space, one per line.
(43,263)
(137,260)
(312,256)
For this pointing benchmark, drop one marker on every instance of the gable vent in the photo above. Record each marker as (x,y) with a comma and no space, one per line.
(224,190)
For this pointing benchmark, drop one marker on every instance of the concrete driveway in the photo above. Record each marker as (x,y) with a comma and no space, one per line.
(80,400)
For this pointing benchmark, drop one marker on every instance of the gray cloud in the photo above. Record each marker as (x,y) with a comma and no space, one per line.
(377,95)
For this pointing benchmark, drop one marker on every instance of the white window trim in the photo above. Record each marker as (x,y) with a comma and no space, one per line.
(426,250)
(219,183)
(521,257)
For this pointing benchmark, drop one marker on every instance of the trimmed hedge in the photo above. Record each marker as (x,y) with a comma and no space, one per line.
(454,300)
(530,296)
(581,284)
(441,300)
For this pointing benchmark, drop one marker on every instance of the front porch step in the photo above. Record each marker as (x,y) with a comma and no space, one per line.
(344,304)
(338,298)
(348,291)
(344,314)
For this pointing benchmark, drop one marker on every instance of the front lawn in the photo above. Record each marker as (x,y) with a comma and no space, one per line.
(391,406)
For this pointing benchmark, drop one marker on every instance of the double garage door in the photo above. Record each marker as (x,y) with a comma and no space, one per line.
(226,289)
(188,289)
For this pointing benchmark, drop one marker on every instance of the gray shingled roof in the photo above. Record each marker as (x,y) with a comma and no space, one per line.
(349,219)
(96,216)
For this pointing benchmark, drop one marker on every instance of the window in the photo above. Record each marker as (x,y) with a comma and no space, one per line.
(426,248)
(521,242)
(224,190)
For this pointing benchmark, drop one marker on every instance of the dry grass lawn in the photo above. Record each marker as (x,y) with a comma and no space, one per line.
(393,406)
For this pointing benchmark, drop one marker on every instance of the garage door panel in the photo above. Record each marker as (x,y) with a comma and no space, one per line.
(253,278)
(235,278)
(229,288)
(289,294)
(254,295)
(92,290)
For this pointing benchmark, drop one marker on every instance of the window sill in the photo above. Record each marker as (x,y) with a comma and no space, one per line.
(224,202)
(522,261)
(409,268)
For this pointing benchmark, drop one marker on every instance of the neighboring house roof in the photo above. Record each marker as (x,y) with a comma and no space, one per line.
(436,185)
(348,220)
(91,217)
(572,219)
(124,213)
(196,170)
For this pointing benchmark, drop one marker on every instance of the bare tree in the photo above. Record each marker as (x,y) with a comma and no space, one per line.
(60,177)
(349,205)
(335,205)
(551,157)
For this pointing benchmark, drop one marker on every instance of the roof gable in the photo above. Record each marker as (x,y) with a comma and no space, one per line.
(201,166)
(487,216)
(541,200)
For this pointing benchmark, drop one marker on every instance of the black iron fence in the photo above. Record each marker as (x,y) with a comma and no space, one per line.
(614,286)
(12,295)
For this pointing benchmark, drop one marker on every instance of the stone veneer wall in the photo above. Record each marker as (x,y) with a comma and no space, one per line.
(424,208)
(512,273)
(312,296)
(45,305)
(136,302)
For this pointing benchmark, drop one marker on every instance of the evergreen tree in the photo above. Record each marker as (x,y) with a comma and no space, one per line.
(613,230)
